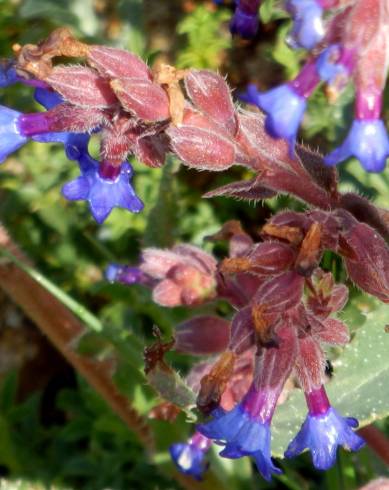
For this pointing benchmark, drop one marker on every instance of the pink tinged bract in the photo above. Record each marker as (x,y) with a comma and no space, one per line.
(117,63)
(202,335)
(210,93)
(280,293)
(142,98)
(202,149)
(310,364)
(81,86)
(369,267)
(271,258)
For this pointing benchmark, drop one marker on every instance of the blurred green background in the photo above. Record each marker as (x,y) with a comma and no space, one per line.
(55,431)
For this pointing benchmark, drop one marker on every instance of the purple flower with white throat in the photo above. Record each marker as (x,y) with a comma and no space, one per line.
(189,457)
(104,186)
(245,20)
(323,431)
(308,27)
(367,139)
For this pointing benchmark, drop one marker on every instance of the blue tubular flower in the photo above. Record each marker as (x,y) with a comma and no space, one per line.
(10,136)
(367,141)
(285,109)
(245,431)
(322,434)
(308,28)
(104,187)
(190,457)
(323,431)
(76,144)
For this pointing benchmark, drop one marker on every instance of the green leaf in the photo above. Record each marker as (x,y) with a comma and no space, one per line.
(359,386)
(173,388)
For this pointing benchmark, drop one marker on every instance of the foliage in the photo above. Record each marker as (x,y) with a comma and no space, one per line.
(86,446)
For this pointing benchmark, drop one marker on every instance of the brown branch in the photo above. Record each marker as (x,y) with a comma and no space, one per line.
(62,328)
(377,441)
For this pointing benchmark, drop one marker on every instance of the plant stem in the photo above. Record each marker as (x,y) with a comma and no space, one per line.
(377,441)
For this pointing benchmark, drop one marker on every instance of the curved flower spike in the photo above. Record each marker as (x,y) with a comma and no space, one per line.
(104,187)
(11,138)
(368,141)
(308,28)
(189,457)
(323,431)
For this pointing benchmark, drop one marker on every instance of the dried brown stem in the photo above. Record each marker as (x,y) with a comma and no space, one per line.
(62,328)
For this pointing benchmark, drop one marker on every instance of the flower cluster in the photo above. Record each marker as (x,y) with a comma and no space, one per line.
(284,304)
(285,314)
(349,41)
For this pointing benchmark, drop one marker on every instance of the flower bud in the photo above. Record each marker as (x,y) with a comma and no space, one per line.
(210,94)
(142,98)
(117,63)
(81,86)
(202,335)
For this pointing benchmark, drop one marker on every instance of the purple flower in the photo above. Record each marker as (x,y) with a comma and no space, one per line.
(125,274)
(104,187)
(189,457)
(11,137)
(308,28)
(8,75)
(251,95)
(328,66)
(367,141)
(46,97)
(245,20)
(245,430)
(322,434)
(285,109)
(323,431)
